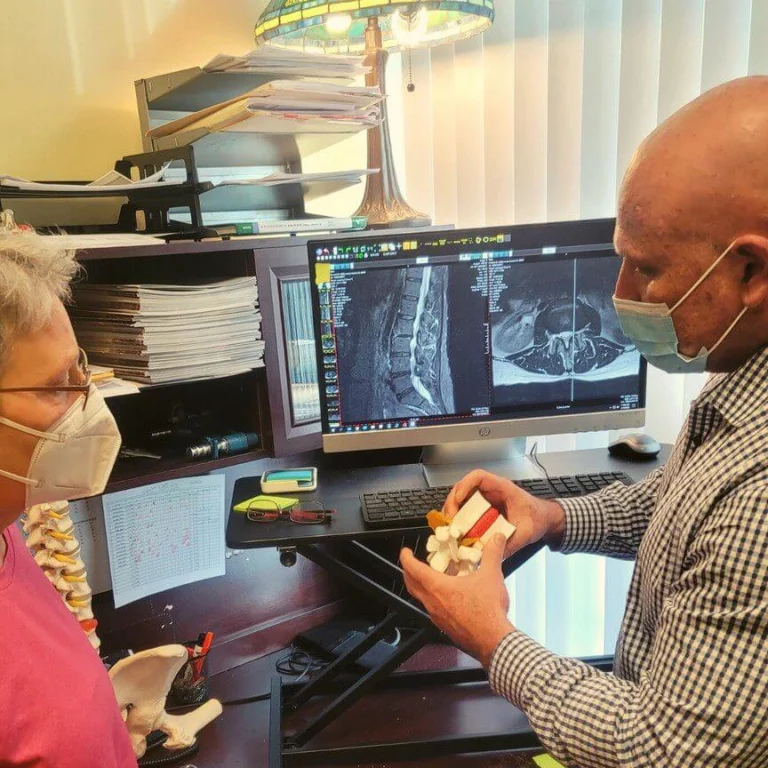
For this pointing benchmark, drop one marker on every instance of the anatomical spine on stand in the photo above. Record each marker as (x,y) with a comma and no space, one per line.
(141,681)
(51,538)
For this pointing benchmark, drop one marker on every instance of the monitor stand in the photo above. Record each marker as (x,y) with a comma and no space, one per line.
(445,465)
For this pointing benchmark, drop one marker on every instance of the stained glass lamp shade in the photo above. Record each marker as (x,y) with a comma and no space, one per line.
(374,27)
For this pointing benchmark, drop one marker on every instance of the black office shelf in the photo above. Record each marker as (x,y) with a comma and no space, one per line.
(133,473)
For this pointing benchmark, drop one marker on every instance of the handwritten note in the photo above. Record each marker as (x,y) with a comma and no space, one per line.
(165,535)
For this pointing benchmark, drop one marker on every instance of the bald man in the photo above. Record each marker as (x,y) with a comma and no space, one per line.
(690,683)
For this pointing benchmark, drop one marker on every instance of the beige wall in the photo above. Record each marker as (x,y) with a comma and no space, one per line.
(68,66)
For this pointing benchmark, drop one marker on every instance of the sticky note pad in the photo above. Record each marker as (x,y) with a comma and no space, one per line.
(547,761)
(265,503)
(301,475)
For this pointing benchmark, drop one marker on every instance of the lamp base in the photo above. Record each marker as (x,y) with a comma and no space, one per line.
(383,204)
(384,214)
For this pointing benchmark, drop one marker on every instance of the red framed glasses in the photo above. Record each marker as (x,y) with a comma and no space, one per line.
(303,513)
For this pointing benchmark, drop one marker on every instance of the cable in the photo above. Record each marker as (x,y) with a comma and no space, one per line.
(534,454)
(393,588)
(297,663)
(157,755)
(300,663)
(246,700)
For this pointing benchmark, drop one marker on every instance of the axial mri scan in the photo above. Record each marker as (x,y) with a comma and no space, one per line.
(555,335)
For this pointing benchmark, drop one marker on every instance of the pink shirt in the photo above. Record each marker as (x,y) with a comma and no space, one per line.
(57,707)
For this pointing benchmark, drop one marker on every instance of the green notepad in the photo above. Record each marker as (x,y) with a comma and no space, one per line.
(265,503)
(547,761)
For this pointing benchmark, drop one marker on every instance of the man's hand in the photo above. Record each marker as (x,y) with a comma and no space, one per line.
(471,610)
(533,518)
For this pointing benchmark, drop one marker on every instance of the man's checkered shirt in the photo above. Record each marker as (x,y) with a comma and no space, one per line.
(690,684)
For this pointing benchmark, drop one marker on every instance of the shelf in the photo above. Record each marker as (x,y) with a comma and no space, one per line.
(314,190)
(138,194)
(252,197)
(222,148)
(168,97)
(133,473)
(279,196)
(189,90)
(183,383)
(181,248)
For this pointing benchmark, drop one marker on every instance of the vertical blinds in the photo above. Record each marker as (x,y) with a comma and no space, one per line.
(536,121)
(300,351)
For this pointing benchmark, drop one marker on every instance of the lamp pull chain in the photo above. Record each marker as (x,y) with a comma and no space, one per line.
(411,85)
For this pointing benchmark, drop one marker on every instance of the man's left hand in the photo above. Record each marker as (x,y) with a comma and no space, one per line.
(471,610)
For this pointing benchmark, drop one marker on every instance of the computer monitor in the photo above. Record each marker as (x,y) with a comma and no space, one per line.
(471,335)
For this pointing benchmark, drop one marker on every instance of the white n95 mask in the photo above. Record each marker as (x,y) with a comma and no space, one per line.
(651,328)
(74,458)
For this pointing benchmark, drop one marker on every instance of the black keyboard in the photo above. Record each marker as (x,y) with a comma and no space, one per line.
(395,509)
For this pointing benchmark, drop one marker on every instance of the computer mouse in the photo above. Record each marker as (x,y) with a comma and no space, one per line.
(636,447)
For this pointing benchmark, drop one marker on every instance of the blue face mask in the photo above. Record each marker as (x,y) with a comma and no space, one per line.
(651,328)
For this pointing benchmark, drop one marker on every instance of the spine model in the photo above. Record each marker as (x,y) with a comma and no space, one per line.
(51,538)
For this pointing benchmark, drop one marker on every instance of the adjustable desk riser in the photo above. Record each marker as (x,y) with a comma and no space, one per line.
(342,549)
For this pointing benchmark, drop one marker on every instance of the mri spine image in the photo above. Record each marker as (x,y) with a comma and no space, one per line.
(418,362)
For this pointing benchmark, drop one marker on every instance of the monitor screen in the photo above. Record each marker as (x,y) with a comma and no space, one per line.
(471,327)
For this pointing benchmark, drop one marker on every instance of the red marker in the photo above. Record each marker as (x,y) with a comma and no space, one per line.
(201,653)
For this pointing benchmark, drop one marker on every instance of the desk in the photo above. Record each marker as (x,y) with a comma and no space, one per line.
(340,488)
(238,739)
(342,549)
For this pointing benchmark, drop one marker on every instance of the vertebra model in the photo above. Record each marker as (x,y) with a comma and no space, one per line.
(51,538)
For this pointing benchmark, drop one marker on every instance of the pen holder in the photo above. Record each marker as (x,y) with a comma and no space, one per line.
(190,687)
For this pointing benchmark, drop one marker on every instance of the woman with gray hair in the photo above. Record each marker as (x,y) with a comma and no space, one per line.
(58,441)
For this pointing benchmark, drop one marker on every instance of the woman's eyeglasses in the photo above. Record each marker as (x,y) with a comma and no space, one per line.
(303,513)
(79,375)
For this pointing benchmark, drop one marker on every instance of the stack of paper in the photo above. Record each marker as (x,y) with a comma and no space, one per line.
(116,387)
(111,181)
(271,60)
(238,176)
(342,178)
(110,385)
(107,240)
(306,97)
(158,334)
(101,374)
(286,106)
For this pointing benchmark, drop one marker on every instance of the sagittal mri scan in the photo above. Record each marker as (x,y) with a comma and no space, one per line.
(555,334)
(418,368)
(411,352)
